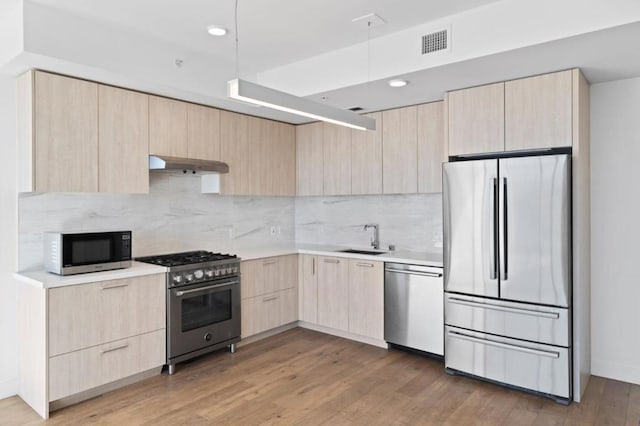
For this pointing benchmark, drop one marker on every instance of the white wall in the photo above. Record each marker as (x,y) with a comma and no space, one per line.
(615,230)
(8,238)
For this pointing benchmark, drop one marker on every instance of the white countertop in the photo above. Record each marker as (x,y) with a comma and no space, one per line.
(414,258)
(44,279)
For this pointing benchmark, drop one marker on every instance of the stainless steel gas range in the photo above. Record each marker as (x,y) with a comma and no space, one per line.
(203,303)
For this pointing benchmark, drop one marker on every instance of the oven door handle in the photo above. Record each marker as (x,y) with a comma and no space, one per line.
(195,290)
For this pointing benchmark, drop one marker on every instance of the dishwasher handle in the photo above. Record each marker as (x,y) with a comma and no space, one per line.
(424,274)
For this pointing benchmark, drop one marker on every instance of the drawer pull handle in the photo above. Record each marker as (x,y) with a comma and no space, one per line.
(106,351)
(487,342)
(425,274)
(268,299)
(109,287)
(492,307)
(331,261)
(366,265)
(269,262)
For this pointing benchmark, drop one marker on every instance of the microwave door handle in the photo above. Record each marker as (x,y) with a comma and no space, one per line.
(196,290)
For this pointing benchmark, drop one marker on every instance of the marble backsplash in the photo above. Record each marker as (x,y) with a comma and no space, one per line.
(173,217)
(410,222)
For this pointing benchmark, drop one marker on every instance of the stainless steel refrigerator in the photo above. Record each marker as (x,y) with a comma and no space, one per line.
(507,271)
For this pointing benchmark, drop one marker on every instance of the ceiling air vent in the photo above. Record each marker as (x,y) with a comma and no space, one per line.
(435,42)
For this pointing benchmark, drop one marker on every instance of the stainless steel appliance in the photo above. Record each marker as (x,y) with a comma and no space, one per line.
(413,307)
(203,303)
(80,252)
(507,271)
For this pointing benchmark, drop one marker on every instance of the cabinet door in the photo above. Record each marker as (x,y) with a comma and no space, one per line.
(476,120)
(167,127)
(308,288)
(260,313)
(366,298)
(309,159)
(269,275)
(203,141)
(431,147)
(77,371)
(333,292)
(240,142)
(66,134)
(337,160)
(538,111)
(366,159)
(399,150)
(123,134)
(277,159)
(288,306)
(86,315)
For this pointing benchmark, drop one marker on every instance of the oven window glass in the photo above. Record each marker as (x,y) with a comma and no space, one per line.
(91,251)
(206,309)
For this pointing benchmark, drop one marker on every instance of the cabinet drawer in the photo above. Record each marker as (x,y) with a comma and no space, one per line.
(268,275)
(262,313)
(519,320)
(87,315)
(86,369)
(542,368)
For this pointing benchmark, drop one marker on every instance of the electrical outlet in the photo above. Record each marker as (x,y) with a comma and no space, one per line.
(279,230)
(273,230)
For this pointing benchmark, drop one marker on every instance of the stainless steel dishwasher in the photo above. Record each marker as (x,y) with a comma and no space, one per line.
(413,307)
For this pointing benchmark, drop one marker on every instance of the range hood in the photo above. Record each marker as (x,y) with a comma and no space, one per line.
(165,163)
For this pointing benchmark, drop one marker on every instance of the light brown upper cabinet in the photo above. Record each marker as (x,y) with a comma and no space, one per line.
(260,154)
(366,159)
(476,120)
(58,132)
(309,159)
(399,150)
(168,132)
(432,150)
(538,111)
(337,160)
(123,133)
(203,127)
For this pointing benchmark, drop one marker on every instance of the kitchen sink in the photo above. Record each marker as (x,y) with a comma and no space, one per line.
(356,251)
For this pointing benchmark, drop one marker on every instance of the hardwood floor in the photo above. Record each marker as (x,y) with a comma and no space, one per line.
(305,377)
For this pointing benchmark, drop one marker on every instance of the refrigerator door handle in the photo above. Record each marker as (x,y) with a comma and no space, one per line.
(493,239)
(490,306)
(549,354)
(505,233)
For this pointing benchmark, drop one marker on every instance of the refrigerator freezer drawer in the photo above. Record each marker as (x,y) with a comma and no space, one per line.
(541,368)
(518,320)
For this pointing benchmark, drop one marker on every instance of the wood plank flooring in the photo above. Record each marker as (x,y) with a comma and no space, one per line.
(308,378)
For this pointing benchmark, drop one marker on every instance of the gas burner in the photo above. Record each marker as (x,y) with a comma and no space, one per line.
(185,258)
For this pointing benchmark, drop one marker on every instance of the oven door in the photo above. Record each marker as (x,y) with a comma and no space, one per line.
(201,315)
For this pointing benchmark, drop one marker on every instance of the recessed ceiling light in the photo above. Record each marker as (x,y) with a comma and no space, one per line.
(216,30)
(398,83)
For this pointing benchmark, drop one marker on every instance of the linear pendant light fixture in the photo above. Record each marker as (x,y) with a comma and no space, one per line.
(246,91)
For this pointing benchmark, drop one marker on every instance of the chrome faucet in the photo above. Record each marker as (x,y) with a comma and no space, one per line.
(375,242)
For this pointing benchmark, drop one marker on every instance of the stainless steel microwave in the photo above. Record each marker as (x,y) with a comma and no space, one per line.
(77,253)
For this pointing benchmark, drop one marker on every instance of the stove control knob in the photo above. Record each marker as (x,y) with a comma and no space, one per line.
(216,272)
(177,279)
(188,277)
(229,270)
(209,273)
(223,271)
(235,269)
(198,273)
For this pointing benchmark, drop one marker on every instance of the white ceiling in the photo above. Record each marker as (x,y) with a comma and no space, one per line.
(272,32)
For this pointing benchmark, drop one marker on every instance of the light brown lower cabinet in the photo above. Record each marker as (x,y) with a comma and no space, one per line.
(366,298)
(342,294)
(85,369)
(76,339)
(269,293)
